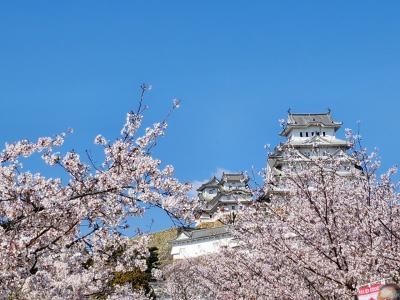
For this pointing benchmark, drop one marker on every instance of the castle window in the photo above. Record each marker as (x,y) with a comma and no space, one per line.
(307,134)
(233,207)
(301,134)
(323,133)
(312,133)
(317,132)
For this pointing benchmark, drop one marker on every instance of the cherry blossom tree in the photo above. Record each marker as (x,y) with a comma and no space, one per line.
(334,226)
(63,238)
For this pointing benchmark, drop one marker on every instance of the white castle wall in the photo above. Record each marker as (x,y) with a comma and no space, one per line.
(201,247)
(295,133)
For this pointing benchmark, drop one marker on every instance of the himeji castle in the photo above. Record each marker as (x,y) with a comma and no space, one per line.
(308,134)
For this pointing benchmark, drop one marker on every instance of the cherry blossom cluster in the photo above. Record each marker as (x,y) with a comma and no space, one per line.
(63,238)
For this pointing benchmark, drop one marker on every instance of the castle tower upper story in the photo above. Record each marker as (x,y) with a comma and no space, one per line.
(309,135)
(305,132)
(310,130)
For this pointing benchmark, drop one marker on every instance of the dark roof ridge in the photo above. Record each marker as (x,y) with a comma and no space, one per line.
(233,173)
(310,114)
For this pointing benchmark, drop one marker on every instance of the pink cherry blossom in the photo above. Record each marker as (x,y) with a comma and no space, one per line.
(58,237)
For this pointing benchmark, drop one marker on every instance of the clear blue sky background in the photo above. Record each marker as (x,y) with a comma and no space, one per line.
(237,66)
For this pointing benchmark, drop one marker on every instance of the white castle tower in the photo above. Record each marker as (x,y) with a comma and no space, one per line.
(221,197)
(309,135)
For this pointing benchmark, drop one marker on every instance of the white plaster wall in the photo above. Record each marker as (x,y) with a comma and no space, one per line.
(234,185)
(205,218)
(296,132)
(210,193)
(201,247)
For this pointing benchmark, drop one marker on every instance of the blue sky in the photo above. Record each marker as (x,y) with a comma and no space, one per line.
(237,66)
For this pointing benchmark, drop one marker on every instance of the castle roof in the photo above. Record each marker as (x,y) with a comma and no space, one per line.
(234,177)
(304,120)
(191,235)
(226,177)
(242,196)
(209,184)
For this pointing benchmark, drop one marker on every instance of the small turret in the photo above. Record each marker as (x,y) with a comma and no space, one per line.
(224,196)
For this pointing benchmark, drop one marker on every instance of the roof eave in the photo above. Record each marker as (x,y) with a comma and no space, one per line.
(211,183)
